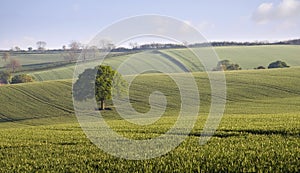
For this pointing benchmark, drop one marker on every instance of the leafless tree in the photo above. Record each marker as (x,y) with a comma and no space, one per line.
(133,45)
(17,48)
(5,56)
(94,51)
(71,54)
(41,45)
(75,45)
(106,45)
(13,65)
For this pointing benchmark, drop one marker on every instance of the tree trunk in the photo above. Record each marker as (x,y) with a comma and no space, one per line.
(102,105)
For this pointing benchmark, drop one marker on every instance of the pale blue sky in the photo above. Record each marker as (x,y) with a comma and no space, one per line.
(57,22)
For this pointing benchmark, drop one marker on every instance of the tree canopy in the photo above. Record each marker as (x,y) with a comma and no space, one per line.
(278,64)
(5,56)
(226,65)
(5,77)
(13,65)
(103,80)
(22,78)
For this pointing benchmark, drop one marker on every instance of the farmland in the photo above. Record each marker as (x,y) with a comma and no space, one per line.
(259,131)
(248,57)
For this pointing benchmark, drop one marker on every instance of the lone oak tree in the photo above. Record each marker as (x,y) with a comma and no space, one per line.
(105,84)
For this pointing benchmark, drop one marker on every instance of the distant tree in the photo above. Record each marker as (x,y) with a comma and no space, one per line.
(85,51)
(75,45)
(106,45)
(13,65)
(72,53)
(22,78)
(64,47)
(6,56)
(185,43)
(17,48)
(94,51)
(29,49)
(107,82)
(278,64)
(226,65)
(5,77)
(41,45)
(260,67)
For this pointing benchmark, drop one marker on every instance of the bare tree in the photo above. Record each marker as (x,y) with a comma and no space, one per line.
(85,51)
(94,51)
(133,45)
(17,48)
(72,52)
(185,43)
(41,45)
(6,56)
(75,45)
(13,65)
(106,45)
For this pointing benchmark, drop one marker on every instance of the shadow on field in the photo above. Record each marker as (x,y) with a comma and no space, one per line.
(265,132)
(224,133)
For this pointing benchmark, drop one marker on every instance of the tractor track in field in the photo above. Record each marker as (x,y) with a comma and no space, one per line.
(173,60)
(192,64)
(43,101)
(262,85)
(4,118)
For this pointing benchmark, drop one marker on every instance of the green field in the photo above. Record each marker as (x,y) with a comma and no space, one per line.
(260,130)
(248,57)
(38,58)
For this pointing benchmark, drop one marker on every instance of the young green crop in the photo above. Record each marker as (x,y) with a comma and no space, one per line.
(259,132)
(248,57)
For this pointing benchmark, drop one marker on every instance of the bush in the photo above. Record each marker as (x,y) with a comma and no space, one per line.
(278,64)
(5,77)
(260,67)
(227,65)
(22,78)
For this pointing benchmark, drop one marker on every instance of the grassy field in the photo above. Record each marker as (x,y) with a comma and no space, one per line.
(29,59)
(260,130)
(248,57)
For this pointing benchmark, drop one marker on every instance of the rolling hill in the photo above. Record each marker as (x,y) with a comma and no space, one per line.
(249,92)
(259,130)
(248,57)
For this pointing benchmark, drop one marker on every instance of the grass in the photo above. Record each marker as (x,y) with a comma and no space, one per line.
(258,133)
(36,103)
(54,74)
(64,148)
(248,57)
(29,59)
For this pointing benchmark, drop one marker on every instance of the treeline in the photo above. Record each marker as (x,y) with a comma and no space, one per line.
(78,47)
(256,43)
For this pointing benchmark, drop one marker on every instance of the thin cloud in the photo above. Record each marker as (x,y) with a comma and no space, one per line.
(285,10)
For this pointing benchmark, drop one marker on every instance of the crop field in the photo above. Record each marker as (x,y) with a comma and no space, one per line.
(260,130)
(54,74)
(248,57)
(29,59)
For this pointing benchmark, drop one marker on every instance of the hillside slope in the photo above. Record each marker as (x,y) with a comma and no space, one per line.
(248,57)
(249,92)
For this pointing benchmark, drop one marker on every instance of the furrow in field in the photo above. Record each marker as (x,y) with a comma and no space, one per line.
(43,101)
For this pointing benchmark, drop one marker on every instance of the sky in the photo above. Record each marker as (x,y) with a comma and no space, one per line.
(58,22)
